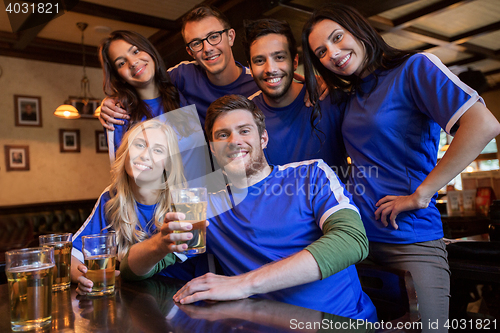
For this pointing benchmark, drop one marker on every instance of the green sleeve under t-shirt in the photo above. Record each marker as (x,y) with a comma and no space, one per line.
(343,243)
(127,274)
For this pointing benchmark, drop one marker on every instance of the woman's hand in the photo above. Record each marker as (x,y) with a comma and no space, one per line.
(85,285)
(392,205)
(322,87)
(143,256)
(110,110)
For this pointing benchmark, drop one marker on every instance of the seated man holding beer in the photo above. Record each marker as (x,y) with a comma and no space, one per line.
(290,233)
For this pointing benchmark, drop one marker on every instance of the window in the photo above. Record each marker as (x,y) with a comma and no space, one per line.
(486,161)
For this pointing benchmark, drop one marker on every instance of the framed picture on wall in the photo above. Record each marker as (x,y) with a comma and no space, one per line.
(85,108)
(17,158)
(28,110)
(69,140)
(101,146)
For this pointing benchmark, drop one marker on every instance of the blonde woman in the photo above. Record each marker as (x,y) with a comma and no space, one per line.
(134,205)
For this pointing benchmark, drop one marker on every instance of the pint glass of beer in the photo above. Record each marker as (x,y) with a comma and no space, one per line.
(29,275)
(193,203)
(62,256)
(99,252)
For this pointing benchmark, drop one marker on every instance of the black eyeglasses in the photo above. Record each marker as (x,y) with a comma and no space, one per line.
(213,39)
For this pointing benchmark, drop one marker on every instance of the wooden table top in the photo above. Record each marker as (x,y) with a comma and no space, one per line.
(147,306)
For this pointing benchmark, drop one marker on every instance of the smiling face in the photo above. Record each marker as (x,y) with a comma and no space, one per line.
(237,145)
(337,49)
(273,67)
(147,157)
(213,58)
(134,66)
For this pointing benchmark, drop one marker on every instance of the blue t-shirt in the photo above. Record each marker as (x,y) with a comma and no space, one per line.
(278,217)
(96,223)
(292,139)
(392,135)
(192,81)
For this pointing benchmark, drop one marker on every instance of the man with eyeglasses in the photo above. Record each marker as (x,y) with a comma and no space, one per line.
(209,38)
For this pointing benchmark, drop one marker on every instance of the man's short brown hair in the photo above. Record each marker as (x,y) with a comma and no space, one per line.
(200,12)
(230,103)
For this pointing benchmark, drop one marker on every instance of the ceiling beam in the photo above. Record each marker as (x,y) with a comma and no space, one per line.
(44,54)
(297,7)
(492,72)
(494,87)
(462,38)
(402,26)
(428,34)
(366,8)
(49,50)
(425,12)
(31,25)
(423,36)
(89,8)
(11,38)
(27,36)
(466,61)
(457,42)
(481,50)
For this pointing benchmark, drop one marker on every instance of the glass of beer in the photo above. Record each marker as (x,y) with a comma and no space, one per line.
(99,252)
(29,275)
(193,203)
(62,256)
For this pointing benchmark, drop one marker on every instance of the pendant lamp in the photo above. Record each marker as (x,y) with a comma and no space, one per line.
(67,110)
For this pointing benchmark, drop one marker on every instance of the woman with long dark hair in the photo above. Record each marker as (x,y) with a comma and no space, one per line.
(136,77)
(134,73)
(395,104)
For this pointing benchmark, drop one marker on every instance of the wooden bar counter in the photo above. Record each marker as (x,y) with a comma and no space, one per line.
(147,306)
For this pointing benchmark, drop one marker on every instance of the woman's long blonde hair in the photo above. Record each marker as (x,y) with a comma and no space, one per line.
(121,209)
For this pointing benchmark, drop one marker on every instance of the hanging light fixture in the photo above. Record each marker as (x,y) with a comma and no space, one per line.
(97,112)
(67,110)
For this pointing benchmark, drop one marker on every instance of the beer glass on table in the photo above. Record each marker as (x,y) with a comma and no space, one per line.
(29,274)
(193,203)
(99,252)
(62,256)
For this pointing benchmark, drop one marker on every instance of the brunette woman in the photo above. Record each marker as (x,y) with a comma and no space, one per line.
(395,104)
